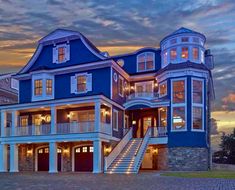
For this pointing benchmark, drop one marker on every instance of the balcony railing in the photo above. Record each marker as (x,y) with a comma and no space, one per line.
(158,131)
(145,95)
(61,128)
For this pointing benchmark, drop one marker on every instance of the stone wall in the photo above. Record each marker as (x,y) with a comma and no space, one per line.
(187,159)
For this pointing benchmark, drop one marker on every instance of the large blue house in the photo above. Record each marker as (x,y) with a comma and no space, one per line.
(82,110)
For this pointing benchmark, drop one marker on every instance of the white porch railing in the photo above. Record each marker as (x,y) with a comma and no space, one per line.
(145,95)
(81,127)
(106,128)
(41,129)
(159,131)
(117,149)
(139,155)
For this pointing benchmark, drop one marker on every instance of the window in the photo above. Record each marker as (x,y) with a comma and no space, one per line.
(91,149)
(173,41)
(61,54)
(195,53)
(165,57)
(77,150)
(196,40)
(115,120)
(144,88)
(178,118)
(179,91)
(173,54)
(59,150)
(38,87)
(46,150)
(84,149)
(184,39)
(23,121)
(145,62)
(120,86)
(162,117)
(49,87)
(163,89)
(197,104)
(202,56)
(178,107)
(81,83)
(184,53)
(40,151)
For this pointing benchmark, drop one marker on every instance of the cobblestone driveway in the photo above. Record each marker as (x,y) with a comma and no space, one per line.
(84,181)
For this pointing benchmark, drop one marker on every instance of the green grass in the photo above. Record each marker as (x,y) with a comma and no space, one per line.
(207,174)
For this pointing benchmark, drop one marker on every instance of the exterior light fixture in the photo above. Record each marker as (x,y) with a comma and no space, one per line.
(133,122)
(155,151)
(29,152)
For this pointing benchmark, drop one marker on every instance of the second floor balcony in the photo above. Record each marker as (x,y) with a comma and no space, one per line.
(143,95)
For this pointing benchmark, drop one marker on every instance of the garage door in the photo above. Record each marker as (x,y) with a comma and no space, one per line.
(84,159)
(43,159)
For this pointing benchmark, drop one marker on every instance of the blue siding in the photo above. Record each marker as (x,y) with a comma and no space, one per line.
(100,84)
(187,138)
(25,91)
(131,60)
(79,54)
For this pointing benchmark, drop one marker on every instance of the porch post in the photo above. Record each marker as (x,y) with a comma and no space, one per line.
(97,144)
(14,158)
(53,119)
(3,123)
(97,116)
(53,157)
(14,116)
(3,158)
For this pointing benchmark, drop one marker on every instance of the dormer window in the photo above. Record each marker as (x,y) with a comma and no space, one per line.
(145,62)
(184,53)
(61,53)
(184,39)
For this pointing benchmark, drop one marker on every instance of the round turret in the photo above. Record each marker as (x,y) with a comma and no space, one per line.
(181,46)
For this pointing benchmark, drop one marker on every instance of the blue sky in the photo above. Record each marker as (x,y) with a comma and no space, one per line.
(122,26)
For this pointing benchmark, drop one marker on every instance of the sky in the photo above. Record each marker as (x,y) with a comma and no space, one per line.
(124,26)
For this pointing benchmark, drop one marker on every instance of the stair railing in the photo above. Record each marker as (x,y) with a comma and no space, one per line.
(117,149)
(140,153)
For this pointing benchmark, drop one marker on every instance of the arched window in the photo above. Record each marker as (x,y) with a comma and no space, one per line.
(145,62)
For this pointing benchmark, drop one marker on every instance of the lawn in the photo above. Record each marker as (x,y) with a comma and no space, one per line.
(207,174)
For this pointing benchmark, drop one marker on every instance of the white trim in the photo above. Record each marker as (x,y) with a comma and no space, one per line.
(145,61)
(175,105)
(122,92)
(199,105)
(111,83)
(148,103)
(163,83)
(116,111)
(79,75)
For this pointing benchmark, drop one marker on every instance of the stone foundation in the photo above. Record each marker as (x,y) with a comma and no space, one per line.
(187,159)
(162,158)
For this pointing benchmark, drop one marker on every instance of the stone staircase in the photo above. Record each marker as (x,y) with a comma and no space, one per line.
(125,161)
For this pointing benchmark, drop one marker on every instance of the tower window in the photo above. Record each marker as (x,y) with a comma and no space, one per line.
(173,54)
(184,53)
(184,39)
(195,53)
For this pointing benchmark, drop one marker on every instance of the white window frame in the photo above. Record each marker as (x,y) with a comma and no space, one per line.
(122,92)
(162,83)
(200,105)
(55,55)
(74,90)
(44,95)
(115,111)
(145,56)
(175,105)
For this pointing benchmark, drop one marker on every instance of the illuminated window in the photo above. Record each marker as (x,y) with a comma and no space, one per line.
(178,118)
(91,149)
(145,61)
(38,87)
(120,86)
(179,91)
(61,54)
(173,54)
(195,53)
(81,83)
(197,91)
(184,53)
(40,151)
(49,87)
(162,89)
(59,150)
(197,118)
(23,121)
(46,150)
(184,39)
(77,150)
(84,149)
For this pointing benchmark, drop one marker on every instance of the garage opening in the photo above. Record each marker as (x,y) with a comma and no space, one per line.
(83,159)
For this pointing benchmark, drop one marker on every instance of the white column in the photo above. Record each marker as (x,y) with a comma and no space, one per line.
(3,123)
(53,157)
(14,118)
(3,158)
(97,116)
(53,119)
(97,156)
(14,158)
